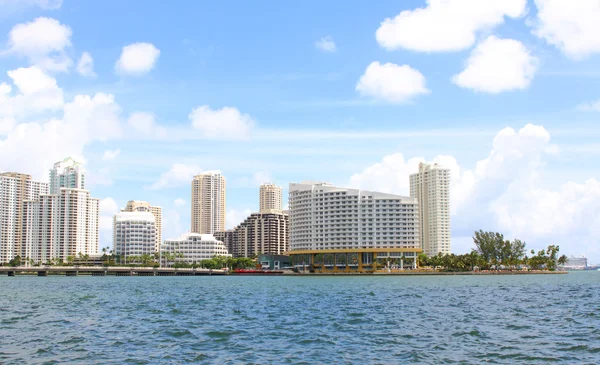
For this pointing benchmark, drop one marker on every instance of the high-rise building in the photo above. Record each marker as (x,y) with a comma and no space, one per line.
(208,203)
(431,187)
(340,229)
(142,206)
(15,188)
(193,247)
(260,233)
(134,234)
(270,198)
(65,222)
(67,173)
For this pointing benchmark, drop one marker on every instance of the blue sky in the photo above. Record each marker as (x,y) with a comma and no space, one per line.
(297,111)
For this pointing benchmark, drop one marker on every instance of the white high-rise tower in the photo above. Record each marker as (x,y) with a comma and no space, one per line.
(208,203)
(431,187)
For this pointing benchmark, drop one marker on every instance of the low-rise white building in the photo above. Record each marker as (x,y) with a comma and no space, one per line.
(134,234)
(192,249)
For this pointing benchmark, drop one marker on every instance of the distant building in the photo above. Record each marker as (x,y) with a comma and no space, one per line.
(134,234)
(208,203)
(274,262)
(228,239)
(261,233)
(142,206)
(270,198)
(341,229)
(65,222)
(15,188)
(576,263)
(194,247)
(431,187)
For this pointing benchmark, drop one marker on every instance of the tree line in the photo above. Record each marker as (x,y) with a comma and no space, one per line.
(493,251)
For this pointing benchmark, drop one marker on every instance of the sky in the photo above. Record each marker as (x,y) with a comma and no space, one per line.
(504,93)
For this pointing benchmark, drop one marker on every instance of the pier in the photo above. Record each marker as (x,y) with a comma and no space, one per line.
(104,271)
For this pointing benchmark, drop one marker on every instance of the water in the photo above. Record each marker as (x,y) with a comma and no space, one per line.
(301,320)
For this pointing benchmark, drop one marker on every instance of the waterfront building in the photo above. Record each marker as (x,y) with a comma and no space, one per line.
(228,239)
(274,262)
(340,229)
(64,223)
(134,234)
(15,188)
(208,203)
(142,206)
(261,233)
(576,263)
(270,199)
(193,248)
(431,187)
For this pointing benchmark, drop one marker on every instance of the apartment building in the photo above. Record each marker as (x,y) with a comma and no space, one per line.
(134,234)
(431,187)
(208,203)
(270,199)
(261,233)
(15,189)
(193,247)
(142,206)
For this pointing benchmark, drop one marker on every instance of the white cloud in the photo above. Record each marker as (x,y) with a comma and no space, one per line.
(233,217)
(391,83)
(446,25)
(143,123)
(326,44)
(111,154)
(44,4)
(100,177)
(85,66)
(37,92)
(137,59)
(43,41)
(498,65)
(502,192)
(7,125)
(178,175)
(108,208)
(179,202)
(572,26)
(593,106)
(225,123)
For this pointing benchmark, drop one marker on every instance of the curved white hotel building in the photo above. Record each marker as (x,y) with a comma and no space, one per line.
(341,229)
(134,234)
(194,247)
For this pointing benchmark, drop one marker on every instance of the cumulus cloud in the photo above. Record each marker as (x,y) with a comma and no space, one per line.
(178,175)
(85,65)
(36,92)
(224,123)
(7,124)
(137,59)
(391,83)
(326,44)
(571,26)
(144,123)
(43,41)
(111,154)
(446,25)
(503,192)
(497,65)
(108,208)
(179,202)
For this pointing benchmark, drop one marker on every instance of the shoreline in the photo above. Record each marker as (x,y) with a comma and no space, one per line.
(429,273)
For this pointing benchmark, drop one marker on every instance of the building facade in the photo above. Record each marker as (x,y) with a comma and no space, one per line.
(134,234)
(270,198)
(228,238)
(193,248)
(261,233)
(64,223)
(431,187)
(142,206)
(208,203)
(341,229)
(15,189)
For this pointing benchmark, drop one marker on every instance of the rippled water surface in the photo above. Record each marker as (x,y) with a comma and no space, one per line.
(301,320)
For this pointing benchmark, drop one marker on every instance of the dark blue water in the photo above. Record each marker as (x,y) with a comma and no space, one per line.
(301,320)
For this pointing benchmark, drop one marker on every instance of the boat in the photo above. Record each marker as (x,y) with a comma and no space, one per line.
(257,272)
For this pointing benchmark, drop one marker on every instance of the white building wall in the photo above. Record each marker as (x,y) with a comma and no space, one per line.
(195,247)
(134,234)
(208,203)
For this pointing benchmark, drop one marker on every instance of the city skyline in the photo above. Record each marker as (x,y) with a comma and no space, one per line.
(313,103)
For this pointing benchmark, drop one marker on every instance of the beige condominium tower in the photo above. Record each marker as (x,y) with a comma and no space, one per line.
(270,198)
(431,187)
(208,203)
(142,206)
